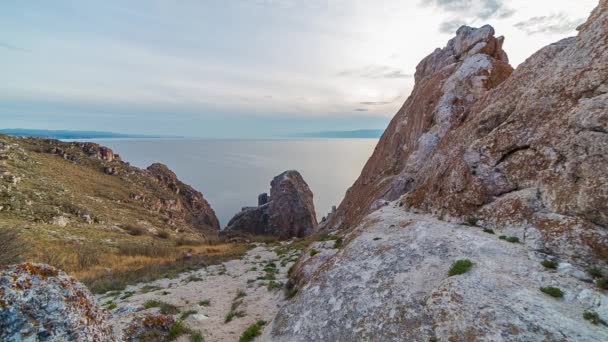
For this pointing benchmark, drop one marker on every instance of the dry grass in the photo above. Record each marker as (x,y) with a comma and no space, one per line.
(12,247)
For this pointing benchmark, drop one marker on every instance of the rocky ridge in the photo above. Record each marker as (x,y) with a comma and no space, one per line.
(288,212)
(523,151)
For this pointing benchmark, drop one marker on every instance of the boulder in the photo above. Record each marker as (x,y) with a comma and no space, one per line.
(40,303)
(289,212)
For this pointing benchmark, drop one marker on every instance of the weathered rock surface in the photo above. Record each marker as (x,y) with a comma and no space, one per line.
(288,212)
(525,151)
(40,303)
(390,283)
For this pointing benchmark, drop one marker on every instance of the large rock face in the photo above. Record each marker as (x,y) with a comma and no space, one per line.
(289,212)
(390,283)
(526,152)
(40,303)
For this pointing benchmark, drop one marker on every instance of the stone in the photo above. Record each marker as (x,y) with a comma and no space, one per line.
(262,199)
(289,212)
(60,221)
(40,303)
(522,150)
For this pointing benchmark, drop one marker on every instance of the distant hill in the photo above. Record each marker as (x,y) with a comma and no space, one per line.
(360,133)
(65,134)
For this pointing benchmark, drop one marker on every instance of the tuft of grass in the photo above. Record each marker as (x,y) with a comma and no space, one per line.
(460,267)
(232,314)
(134,230)
(292,293)
(165,308)
(552,291)
(205,302)
(549,264)
(471,221)
(187,314)
(192,278)
(488,230)
(252,331)
(196,336)
(149,288)
(593,317)
(12,248)
(110,305)
(602,283)
(163,234)
(313,252)
(177,329)
(127,294)
(503,237)
(595,272)
(512,239)
(339,243)
(273,285)
(240,294)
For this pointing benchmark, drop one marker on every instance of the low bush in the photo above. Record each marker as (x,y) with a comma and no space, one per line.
(196,337)
(338,244)
(313,252)
(12,248)
(471,221)
(512,239)
(163,234)
(165,308)
(602,283)
(593,317)
(552,291)
(488,230)
(134,230)
(205,302)
(177,329)
(550,264)
(145,249)
(187,314)
(595,272)
(460,267)
(252,331)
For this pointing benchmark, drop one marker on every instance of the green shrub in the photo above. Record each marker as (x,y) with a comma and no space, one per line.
(488,230)
(338,244)
(192,278)
(550,264)
(377,238)
(240,294)
(177,329)
(163,234)
(252,331)
(135,230)
(273,285)
(313,252)
(292,293)
(552,291)
(503,237)
(127,294)
(149,288)
(196,337)
(110,305)
(512,239)
(593,317)
(165,308)
(460,267)
(205,302)
(187,314)
(471,221)
(230,315)
(602,283)
(595,272)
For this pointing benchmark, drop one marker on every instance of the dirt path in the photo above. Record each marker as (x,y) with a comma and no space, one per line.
(209,293)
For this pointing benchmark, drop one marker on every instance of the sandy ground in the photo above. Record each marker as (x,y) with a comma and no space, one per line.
(219,284)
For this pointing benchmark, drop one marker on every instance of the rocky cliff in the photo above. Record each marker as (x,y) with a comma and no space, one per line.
(524,151)
(480,210)
(288,212)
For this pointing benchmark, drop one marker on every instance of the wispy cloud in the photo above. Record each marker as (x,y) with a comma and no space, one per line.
(13,47)
(361,110)
(464,11)
(558,23)
(375,71)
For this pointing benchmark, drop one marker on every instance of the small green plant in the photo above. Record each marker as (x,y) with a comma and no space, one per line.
(240,294)
(460,267)
(252,331)
(550,264)
(149,288)
(127,294)
(165,308)
(205,302)
(290,270)
(313,252)
(292,293)
(595,272)
(163,234)
(232,314)
(273,285)
(192,278)
(110,305)
(488,230)
(338,244)
(187,314)
(503,237)
(177,329)
(377,238)
(593,317)
(602,283)
(196,337)
(471,221)
(552,291)
(512,239)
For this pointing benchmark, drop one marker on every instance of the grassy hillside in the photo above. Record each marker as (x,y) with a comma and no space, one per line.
(80,208)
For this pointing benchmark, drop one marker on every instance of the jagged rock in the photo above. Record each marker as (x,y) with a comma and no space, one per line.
(525,151)
(40,303)
(390,283)
(195,207)
(289,212)
(262,199)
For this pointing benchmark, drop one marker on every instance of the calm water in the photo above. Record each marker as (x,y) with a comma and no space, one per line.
(231,173)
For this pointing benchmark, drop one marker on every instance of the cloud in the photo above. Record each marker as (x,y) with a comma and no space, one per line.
(361,109)
(375,71)
(12,47)
(558,23)
(463,11)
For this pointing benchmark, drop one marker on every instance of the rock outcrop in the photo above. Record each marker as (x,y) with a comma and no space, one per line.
(40,303)
(525,152)
(288,212)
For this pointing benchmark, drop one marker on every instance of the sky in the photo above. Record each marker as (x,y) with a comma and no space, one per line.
(239,68)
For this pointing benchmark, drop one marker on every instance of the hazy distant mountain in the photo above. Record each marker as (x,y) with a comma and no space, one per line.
(64,134)
(360,133)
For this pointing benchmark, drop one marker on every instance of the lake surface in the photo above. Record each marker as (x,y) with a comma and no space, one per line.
(232,173)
